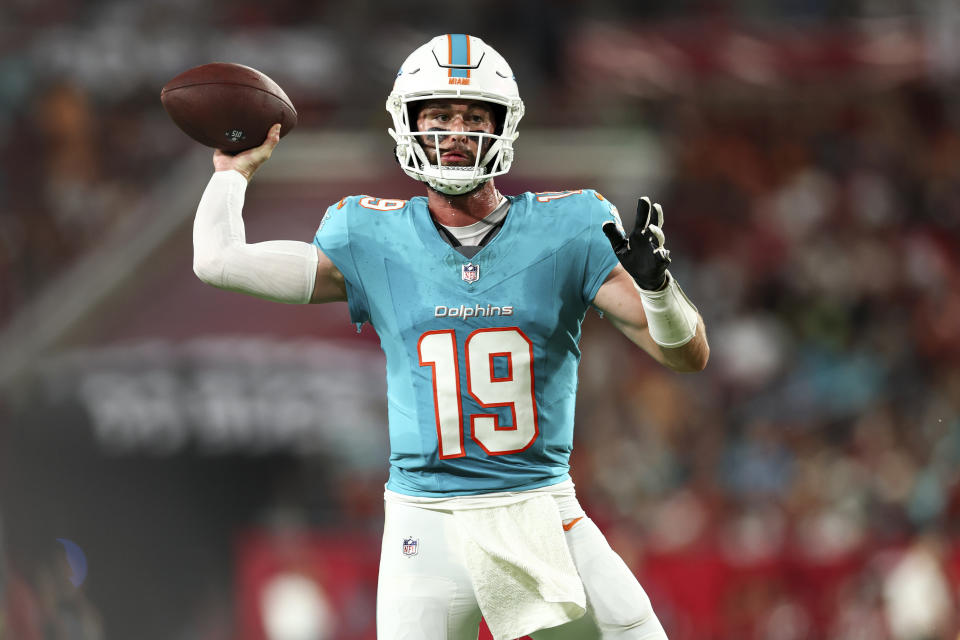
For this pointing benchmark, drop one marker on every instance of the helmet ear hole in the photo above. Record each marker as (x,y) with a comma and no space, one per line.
(413,111)
(499,117)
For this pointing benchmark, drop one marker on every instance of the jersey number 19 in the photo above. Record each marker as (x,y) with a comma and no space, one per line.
(482,348)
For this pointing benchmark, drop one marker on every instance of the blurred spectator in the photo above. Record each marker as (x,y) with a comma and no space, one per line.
(920,604)
(45,605)
(66,612)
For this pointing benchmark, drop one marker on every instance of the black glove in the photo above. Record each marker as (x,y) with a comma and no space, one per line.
(642,255)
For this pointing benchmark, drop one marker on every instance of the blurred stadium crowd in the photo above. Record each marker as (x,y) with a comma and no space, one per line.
(825,433)
(807,484)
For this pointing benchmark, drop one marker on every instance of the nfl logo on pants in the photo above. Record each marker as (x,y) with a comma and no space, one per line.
(411,546)
(470,272)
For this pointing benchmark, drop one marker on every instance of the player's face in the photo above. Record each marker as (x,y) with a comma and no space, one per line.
(455,116)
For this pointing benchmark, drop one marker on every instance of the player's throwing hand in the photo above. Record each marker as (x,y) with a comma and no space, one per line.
(642,254)
(247,162)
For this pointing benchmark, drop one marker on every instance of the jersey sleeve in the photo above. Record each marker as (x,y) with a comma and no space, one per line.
(600,259)
(333,239)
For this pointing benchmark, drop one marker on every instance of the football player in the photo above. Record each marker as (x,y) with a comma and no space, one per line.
(478,298)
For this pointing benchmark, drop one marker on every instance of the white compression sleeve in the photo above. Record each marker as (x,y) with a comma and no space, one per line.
(671,317)
(279,270)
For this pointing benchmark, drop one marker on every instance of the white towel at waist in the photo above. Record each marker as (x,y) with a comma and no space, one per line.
(523,575)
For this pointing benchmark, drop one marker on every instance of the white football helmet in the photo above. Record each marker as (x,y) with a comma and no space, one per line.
(455,66)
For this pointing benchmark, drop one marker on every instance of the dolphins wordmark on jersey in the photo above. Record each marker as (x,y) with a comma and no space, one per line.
(482,353)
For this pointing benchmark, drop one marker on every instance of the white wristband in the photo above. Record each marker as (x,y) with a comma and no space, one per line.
(279,270)
(671,317)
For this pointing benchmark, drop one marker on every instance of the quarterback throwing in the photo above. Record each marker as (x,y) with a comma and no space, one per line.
(478,299)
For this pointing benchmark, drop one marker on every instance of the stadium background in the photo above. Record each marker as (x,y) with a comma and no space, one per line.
(220,460)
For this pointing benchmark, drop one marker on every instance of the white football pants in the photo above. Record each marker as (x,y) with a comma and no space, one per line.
(425,591)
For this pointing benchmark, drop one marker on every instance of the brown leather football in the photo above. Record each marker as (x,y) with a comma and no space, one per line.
(227,106)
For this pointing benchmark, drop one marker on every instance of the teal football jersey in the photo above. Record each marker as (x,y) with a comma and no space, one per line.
(482,353)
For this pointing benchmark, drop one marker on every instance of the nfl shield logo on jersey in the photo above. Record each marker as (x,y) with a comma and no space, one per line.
(411,546)
(470,272)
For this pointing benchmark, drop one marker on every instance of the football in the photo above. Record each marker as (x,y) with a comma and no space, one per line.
(227,106)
